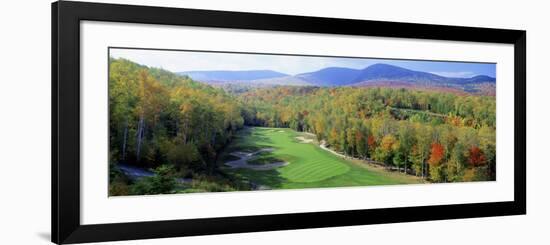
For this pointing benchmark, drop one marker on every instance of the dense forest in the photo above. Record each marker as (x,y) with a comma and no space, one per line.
(176,126)
(158,118)
(440,136)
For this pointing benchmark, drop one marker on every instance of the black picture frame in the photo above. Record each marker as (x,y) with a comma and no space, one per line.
(66,18)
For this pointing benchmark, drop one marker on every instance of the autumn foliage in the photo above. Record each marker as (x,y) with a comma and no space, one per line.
(475,156)
(371,141)
(160,118)
(436,154)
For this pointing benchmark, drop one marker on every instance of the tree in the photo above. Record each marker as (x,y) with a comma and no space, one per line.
(152,97)
(424,137)
(456,164)
(384,152)
(122,99)
(417,158)
(185,156)
(437,153)
(351,133)
(161,183)
(406,142)
(361,144)
(475,157)
(334,138)
(371,142)
(399,159)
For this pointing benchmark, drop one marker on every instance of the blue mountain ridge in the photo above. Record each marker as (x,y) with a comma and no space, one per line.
(333,76)
(340,76)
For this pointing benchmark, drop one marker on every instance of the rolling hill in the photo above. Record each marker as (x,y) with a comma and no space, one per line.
(331,76)
(377,75)
(380,72)
(383,75)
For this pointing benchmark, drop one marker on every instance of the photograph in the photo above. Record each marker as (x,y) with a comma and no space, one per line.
(275,122)
(196,121)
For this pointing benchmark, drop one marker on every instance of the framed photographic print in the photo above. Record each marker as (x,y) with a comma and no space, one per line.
(176,122)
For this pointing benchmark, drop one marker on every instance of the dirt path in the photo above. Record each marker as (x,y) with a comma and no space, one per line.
(245,156)
(137,173)
(373,165)
(310,134)
(420,112)
(323,146)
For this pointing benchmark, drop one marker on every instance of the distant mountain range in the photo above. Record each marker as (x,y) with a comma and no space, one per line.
(377,75)
(331,76)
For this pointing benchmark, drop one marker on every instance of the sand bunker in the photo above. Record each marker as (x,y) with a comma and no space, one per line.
(245,156)
(304,140)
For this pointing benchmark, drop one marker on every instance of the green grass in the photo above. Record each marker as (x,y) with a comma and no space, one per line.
(263,158)
(309,165)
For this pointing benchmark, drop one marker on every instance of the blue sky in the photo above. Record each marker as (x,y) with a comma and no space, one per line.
(177,61)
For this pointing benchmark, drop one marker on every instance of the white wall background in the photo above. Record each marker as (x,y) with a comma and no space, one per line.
(25,122)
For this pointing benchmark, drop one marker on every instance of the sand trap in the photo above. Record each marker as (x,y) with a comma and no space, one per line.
(245,156)
(304,140)
(310,134)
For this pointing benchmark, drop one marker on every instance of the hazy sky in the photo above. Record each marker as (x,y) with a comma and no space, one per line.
(178,61)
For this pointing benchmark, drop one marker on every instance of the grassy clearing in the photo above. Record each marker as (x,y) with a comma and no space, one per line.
(310,166)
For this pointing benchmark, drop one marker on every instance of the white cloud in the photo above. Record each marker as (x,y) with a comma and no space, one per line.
(462,74)
(177,61)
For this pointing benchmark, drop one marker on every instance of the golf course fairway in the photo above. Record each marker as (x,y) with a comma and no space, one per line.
(298,162)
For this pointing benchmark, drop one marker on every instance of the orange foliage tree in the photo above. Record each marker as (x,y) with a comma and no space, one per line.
(475,156)
(436,154)
(371,141)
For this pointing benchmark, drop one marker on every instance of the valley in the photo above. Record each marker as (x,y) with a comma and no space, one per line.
(308,164)
(245,130)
